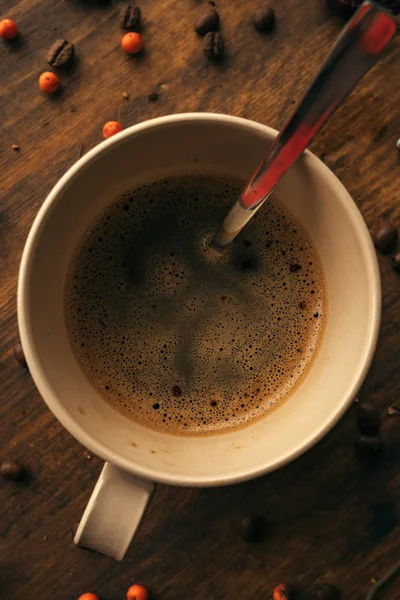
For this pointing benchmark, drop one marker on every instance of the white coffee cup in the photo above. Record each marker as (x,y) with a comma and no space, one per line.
(138,457)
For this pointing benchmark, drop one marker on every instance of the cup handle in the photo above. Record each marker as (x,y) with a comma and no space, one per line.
(114,512)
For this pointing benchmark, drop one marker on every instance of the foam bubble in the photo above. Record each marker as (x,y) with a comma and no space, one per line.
(179,338)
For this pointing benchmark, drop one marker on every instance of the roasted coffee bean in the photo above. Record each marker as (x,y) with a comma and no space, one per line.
(19,355)
(368,447)
(325,591)
(396,263)
(368,418)
(208,20)
(153,96)
(11,470)
(264,19)
(253,528)
(386,238)
(60,54)
(130,16)
(213,45)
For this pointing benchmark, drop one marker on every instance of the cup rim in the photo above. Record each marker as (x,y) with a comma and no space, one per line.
(94,444)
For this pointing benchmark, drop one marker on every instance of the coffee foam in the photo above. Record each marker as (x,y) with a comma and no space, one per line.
(183,340)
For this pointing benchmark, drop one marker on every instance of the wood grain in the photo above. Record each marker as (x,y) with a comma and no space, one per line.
(331,517)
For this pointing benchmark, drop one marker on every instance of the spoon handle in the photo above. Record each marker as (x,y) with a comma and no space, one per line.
(356,50)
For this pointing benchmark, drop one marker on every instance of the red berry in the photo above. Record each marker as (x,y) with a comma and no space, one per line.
(281,592)
(8,29)
(49,82)
(137,592)
(111,128)
(132,42)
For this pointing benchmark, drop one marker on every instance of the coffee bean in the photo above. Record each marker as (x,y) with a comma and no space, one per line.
(213,45)
(207,21)
(19,355)
(386,238)
(253,528)
(60,54)
(264,19)
(153,96)
(325,591)
(11,470)
(368,418)
(368,447)
(396,263)
(294,268)
(130,16)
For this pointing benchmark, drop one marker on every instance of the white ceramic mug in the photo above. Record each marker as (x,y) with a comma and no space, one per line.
(136,456)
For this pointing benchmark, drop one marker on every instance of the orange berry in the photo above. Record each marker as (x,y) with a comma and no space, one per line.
(88,596)
(8,29)
(137,592)
(132,42)
(281,592)
(111,128)
(49,82)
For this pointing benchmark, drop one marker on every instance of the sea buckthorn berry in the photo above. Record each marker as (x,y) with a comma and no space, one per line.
(111,128)
(88,596)
(49,82)
(137,592)
(132,43)
(8,29)
(281,592)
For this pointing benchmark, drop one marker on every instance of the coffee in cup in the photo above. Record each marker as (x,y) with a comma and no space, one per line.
(179,338)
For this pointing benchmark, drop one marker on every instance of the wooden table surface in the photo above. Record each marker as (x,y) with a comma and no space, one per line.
(332,518)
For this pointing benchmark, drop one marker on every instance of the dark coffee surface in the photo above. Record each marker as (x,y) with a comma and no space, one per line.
(178,338)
